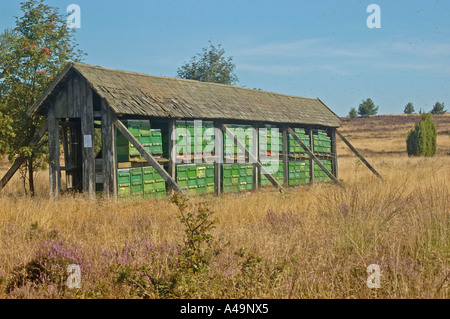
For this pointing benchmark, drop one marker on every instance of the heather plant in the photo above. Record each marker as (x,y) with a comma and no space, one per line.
(49,265)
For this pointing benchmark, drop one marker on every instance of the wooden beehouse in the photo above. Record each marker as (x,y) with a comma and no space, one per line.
(87,108)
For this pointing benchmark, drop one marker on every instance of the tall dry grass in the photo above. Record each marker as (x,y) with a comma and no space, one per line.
(313,242)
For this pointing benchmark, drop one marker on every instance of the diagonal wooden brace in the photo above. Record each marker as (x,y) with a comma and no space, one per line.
(19,160)
(252,158)
(358,154)
(311,154)
(153,162)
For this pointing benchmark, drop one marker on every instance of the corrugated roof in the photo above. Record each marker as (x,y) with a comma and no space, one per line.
(141,94)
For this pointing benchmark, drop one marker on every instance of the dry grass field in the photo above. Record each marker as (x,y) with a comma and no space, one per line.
(312,242)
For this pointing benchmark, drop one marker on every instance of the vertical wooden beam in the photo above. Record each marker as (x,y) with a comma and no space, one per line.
(64,129)
(256,154)
(218,154)
(108,151)
(334,152)
(285,156)
(87,132)
(172,169)
(311,161)
(53,149)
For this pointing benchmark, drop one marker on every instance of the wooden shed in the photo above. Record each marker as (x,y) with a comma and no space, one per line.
(85,98)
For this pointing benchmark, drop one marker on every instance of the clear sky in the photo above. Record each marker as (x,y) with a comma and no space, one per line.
(312,48)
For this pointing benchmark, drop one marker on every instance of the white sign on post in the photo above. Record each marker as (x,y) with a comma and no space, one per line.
(88,141)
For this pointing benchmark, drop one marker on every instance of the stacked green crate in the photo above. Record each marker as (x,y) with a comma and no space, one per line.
(299,173)
(137,185)
(124,183)
(321,142)
(191,139)
(269,137)
(277,173)
(154,184)
(244,135)
(150,139)
(294,148)
(237,178)
(320,175)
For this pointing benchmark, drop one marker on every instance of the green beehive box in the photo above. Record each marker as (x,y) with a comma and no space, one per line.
(209,189)
(227,181)
(124,190)
(123,176)
(145,139)
(182,171)
(235,180)
(227,188)
(242,187)
(227,171)
(192,171)
(235,170)
(201,171)
(201,189)
(160,185)
(157,149)
(149,186)
(210,170)
(137,188)
(192,181)
(192,190)
(201,181)
(160,194)
(182,182)
(136,175)
(148,173)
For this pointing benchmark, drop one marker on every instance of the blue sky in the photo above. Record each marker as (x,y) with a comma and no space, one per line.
(312,48)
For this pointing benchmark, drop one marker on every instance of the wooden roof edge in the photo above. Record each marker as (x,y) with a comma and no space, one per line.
(188,80)
(33,110)
(337,117)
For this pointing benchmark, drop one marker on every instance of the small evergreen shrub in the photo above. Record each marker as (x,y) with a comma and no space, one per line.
(421,140)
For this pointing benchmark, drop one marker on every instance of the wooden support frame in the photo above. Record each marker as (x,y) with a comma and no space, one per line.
(108,151)
(334,152)
(358,154)
(19,160)
(54,154)
(150,159)
(285,155)
(218,152)
(172,168)
(256,151)
(313,157)
(87,132)
(252,158)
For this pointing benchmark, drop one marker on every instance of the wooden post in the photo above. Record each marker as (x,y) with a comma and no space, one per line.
(334,152)
(19,160)
(218,154)
(252,158)
(87,132)
(172,169)
(315,159)
(108,151)
(53,150)
(256,154)
(150,159)
(311,161)
(65,137)
(285,156)
(358,154)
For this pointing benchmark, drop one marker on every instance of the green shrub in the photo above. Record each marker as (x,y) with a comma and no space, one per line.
(421,140)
